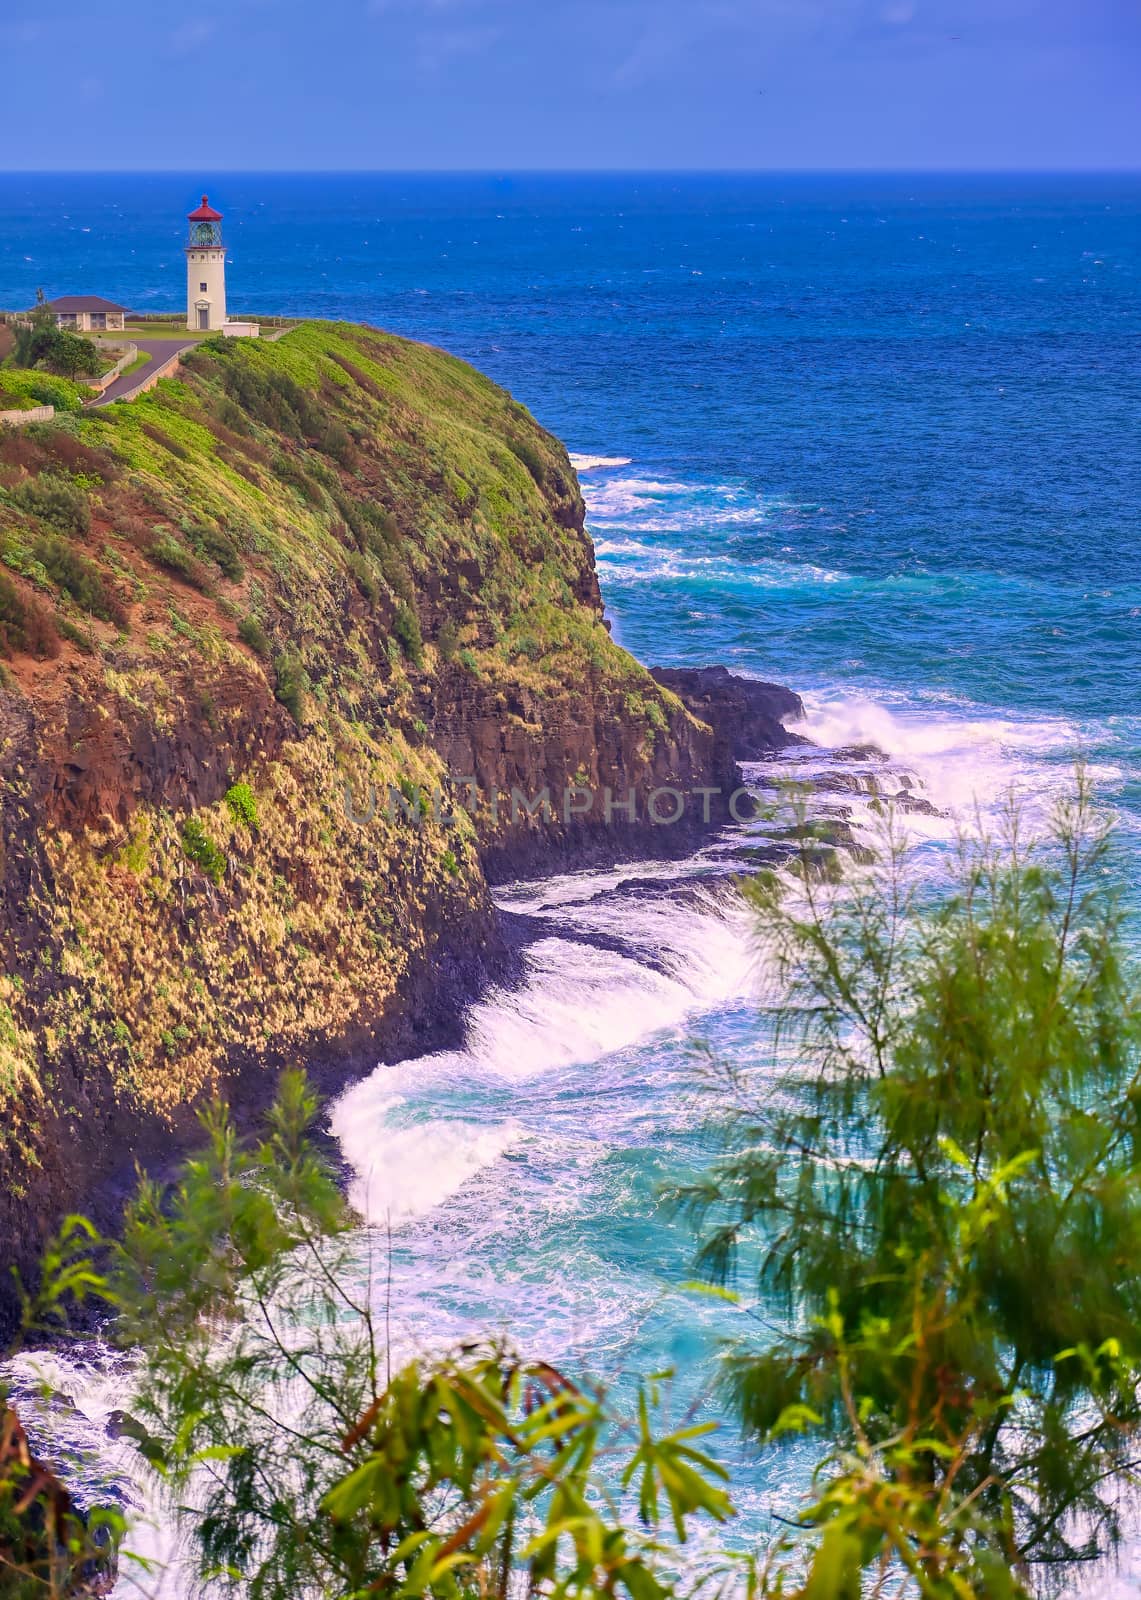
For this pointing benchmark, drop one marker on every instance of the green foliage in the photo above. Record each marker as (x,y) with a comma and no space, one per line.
(292,683)
(57,501)
(251,632)
(447,640)
(406,628)
(70,356)
(215,544)
(24,624)
(271,397)
(308,1466)
(449,863)
(39,389)
(49,1549)
(529,455)
(366,579)
(169,553)
(81,579)
(202,850)
(243,805)
(948,1064)
(40,343)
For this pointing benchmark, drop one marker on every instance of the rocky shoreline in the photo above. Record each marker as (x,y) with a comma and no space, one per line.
(470,957)
(233,615)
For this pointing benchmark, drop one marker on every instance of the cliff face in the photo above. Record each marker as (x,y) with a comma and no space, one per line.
(254,628)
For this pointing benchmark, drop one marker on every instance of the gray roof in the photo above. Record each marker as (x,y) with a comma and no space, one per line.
(84,302)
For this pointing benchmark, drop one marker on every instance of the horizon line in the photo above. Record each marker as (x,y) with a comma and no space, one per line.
(582,172)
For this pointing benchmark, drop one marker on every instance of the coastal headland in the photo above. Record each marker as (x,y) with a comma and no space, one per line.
(296,575)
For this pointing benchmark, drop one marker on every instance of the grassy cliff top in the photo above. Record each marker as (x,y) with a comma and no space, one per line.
(302,496)
(338,561)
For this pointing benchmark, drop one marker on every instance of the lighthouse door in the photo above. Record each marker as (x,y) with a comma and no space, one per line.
(203,316)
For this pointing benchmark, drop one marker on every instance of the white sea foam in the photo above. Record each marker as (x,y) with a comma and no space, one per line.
(578,1003)
(101,1469)
(970,763)
(643,564)
(588,463)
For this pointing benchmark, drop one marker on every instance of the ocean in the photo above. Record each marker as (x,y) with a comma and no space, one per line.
(873,437)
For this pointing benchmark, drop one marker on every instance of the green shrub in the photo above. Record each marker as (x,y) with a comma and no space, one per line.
(288,471)
(40,389)
(232,416)
(406,627)
(251,633)
(74,357)
(372,527)
(81,579)
(77,635)
(57,501)
(202,850)
(449,863)
(397,575)
(217,545)
(243,804)
(366,579)
(447,640)
(467,660)
(166,552)
(24,624)
(525,451)
(334,440)
(292,683)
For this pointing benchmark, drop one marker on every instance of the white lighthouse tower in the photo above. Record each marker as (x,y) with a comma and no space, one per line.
(205,270)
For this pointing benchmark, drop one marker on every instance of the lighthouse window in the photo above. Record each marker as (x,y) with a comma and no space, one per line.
(202,288)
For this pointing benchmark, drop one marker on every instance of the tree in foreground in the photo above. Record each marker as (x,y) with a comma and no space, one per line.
(41,343)
(939,1191)
(306,1466)
(941,1183)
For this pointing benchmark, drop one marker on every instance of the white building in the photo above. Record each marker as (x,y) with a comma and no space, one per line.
(87,313)
(205,270)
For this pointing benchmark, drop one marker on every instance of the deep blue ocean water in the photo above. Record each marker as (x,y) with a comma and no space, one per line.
(875,437)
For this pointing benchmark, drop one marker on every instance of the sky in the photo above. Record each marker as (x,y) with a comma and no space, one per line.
(510,85)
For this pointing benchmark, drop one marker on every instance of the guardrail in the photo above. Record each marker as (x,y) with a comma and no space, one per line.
(106,379)
(150,376)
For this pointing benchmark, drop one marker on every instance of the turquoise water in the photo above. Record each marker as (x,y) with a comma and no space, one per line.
(875,438)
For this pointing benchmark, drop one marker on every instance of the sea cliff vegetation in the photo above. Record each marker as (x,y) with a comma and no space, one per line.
(928,1201)
(328,565)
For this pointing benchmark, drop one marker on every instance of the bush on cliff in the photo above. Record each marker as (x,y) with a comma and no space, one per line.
(292,683)
(25,624)
(406,627)
(251,632)
(81,579)
(202,850)
(242,804)
(57,501)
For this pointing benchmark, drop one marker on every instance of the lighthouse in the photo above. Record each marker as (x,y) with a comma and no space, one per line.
(205,270)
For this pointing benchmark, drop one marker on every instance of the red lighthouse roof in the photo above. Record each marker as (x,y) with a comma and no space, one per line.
(204,213)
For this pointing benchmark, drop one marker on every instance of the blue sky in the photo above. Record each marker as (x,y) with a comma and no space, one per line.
(580,84)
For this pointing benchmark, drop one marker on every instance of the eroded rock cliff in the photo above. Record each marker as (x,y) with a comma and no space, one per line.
(255,628)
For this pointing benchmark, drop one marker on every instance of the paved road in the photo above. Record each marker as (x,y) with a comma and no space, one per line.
(159,350)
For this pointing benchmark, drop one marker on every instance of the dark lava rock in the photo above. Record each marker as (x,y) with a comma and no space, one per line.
(747,715)
(858,752)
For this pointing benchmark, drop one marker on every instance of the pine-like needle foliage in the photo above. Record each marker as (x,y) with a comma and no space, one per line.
(301,1465)
(942,1182)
